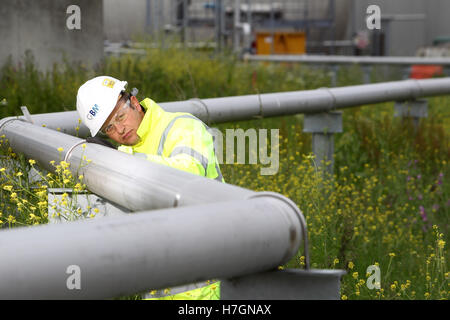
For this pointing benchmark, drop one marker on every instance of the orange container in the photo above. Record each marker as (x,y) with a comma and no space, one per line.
(425,71)
(285,42)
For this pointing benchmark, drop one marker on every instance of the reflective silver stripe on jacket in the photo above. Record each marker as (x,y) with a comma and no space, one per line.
(166,132)
(187,150)
(179,289)
(194,154)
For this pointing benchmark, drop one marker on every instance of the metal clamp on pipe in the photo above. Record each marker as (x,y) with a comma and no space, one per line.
(419,92)
(69,152)
(95,140)
(203,104)
(333,98)
(26,114)
(9,119)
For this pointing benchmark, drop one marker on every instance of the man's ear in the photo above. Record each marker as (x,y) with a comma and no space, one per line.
(136,105)
(134,102)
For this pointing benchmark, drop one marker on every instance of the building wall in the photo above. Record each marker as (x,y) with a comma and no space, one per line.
(40,26)
(404,38)
(123,19)
(438,22)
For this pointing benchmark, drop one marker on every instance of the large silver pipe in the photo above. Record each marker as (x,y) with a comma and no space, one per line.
(217,110)
(107,258)
(132,182)
(337,59)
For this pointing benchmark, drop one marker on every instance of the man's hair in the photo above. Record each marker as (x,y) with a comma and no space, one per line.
(126,96)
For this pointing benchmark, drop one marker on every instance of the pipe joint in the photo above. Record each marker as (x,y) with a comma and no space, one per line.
(332,105)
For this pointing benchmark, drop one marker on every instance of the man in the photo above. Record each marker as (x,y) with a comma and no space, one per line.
(144,129)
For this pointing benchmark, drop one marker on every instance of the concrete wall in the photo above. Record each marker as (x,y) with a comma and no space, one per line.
(123,19)
(438,22)
(40,26)
(405,37)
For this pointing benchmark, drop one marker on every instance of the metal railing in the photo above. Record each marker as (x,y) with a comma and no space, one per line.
(336,59)
(366,62)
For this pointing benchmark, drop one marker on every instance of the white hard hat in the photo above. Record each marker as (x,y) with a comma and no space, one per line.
(96,100)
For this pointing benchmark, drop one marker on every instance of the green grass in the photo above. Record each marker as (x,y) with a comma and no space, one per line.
(388,202)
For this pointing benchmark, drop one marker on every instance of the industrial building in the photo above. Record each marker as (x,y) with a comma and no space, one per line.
(282,26)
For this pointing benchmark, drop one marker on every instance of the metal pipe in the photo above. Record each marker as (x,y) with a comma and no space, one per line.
(131,182)
(65,121)
(307,101)
(217,110)
(150,250)
(337,59)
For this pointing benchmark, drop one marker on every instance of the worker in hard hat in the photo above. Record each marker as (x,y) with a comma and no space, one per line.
(176,139)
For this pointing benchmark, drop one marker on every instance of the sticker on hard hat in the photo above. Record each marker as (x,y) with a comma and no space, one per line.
(108,83)
(93,112)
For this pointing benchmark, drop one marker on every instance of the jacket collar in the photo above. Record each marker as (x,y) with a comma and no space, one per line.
(145,126)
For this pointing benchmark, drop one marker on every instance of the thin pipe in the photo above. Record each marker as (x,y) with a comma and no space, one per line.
(338,59)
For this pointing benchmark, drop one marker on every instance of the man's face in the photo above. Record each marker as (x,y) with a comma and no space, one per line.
(124,122)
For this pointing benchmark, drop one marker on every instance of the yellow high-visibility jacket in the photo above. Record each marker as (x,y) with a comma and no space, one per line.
(176,139)
(181,141)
